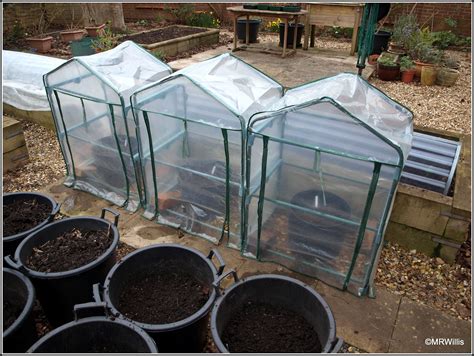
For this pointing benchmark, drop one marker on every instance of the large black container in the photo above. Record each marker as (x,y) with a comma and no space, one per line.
(18,290)
(95,334)
(253,30)
(187,335)
(316,234)
(10,243)
(280,291)
(381,39)
(58,292)
(291,34)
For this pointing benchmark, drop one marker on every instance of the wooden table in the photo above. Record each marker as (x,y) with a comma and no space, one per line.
(239,11)
(333,14)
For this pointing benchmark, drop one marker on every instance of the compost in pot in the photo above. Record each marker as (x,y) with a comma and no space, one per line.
(263,327)
(24,214)
(70,250)
(161,294)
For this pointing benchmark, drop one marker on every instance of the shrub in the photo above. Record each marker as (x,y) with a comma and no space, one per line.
(203,19)
(273,26)
(182,13)
(388,60)
(404,29)
(406,63)
(107,40)
(159,54)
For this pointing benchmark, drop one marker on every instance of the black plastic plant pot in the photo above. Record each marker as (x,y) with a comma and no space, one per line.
(186,335)
(18,298)
(95,334)
(316,233)
(291,8)
(58,292)
(209,191)
(381,39)
(10,243)
(291,32)
(253,29)
(250,6)
(281,292)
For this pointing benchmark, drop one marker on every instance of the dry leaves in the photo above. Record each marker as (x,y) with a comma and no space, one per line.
(447,108)
(426,280)
(45,166)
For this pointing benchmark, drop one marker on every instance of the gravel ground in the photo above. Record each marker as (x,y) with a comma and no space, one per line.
(45,165)
(447,108)
(426,280)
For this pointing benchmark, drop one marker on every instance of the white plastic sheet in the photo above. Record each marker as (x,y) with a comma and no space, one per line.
(23,85)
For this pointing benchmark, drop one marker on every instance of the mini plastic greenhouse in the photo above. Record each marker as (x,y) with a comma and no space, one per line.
(90,101)
(193,128)
(323,165)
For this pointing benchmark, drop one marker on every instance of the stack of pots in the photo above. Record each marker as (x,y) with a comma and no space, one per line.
(84,304)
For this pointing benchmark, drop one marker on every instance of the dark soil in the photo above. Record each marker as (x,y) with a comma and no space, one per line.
(23,215)
(261,327)
(162,34)
(11,312)
(72,249)
(162,294)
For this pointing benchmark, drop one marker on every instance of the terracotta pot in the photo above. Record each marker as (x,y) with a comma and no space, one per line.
(408,75)
(387,73)
(418,66)
(428,75)
(73,35)
(42,45)
(372,60)
(94,31)
(447,77)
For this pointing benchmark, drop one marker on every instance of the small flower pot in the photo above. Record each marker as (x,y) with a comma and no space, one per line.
(388,73)
(447,77)
(95,31)
(372,60)
(408,75)
(69,36)
(428,75)
(42,45)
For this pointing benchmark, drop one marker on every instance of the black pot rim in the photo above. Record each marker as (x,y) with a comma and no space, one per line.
(199,314)
(20,235)
(28,305)
(215,310)
(72,272)
(147,338)
(250,21)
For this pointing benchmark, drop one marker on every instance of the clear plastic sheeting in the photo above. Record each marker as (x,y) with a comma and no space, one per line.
(322,171)
(90,101)
(22,79)
(192,139)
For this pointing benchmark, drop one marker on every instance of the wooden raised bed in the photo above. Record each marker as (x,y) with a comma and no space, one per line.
(15,152)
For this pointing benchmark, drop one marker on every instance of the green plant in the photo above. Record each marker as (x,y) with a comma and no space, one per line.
(420,47)
(17,33)
(141,23)
(387,60)
(444,39)
(107,40)
(340,32)
(159,54)
(203,19)
(450,22)
(404,29)
(182,13)
(406,63)
(273,26)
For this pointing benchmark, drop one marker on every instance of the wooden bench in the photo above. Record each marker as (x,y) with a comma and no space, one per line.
(15,152)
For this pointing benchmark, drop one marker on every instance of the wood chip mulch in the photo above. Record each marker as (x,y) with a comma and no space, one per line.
(446,108)
(426,280)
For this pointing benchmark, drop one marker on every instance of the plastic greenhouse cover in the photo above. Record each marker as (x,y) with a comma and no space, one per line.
(362,100)
(23,85)
(237,85)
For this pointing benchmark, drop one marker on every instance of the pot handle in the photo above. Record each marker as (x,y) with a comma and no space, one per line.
(217,282)
(55,210)
(113,212)
(97,291)
(14,264)
(214,252)
(336,345)
(90,309)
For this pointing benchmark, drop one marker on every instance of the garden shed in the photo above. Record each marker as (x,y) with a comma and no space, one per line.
(192,133)
(323,166)
(90,101)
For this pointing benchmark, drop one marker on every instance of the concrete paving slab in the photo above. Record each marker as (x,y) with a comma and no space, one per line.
(422,329)
(363,322)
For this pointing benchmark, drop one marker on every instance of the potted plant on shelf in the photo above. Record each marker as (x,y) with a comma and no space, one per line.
(448,72)
(40,41)
(407,68)
(387,67)
(403,31)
